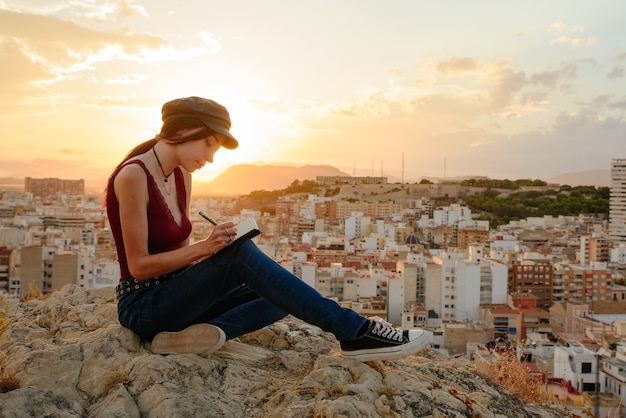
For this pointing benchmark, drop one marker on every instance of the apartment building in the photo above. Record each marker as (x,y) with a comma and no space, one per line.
(506,322)
(5,265)
(534,320)
(577,318)
(594,249)
(345,209)
(617,201)
(413,272)
(357,225)
(467,280)
(590,283)
(563,314)
(36,269)
(451,215)
(470,235)
(614,373)
(286,214)
(48,187)
(414,315)
(49,268)
(327,210)
(334,180)
(535,277)
(457,336)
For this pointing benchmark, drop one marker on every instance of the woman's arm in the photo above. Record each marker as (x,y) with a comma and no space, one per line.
(131,191)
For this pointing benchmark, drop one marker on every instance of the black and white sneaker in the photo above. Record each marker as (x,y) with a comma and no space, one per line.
(381,341)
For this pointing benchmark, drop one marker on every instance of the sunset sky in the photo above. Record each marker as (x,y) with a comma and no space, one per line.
(511,90)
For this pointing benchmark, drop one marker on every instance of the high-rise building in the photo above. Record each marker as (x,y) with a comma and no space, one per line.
(617,202)
(51,186)
(5,264)
(535,277)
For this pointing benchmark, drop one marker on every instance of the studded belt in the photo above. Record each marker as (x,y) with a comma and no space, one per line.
(127,286)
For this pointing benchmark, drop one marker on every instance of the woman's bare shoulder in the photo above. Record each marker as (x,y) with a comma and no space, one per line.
(131,174)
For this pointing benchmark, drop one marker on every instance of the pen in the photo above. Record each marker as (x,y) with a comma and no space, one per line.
(207,217)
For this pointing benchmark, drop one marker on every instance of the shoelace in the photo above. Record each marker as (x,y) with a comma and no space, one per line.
(385,331)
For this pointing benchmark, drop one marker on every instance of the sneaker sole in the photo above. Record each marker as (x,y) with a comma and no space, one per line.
(391,353)
(196,339)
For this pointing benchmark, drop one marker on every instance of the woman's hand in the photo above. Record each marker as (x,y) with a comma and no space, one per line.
(221,235)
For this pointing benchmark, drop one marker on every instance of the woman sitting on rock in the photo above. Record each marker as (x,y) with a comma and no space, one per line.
(192,297)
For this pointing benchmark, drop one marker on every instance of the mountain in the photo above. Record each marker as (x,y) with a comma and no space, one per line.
(245,178)
(68,356)
(598,178)
(10,183)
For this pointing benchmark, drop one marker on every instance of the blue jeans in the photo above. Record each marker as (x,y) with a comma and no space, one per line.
(240,290)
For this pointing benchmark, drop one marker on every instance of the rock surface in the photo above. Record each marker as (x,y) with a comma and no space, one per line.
(70,357)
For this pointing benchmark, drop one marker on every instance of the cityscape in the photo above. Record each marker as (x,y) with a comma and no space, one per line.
(552,288)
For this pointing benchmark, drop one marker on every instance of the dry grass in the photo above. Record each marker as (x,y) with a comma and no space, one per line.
(6,316)
(35,293)
(8,381)
(516,378)
(116,376)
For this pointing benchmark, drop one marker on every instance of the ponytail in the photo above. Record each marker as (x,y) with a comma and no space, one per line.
(139,149)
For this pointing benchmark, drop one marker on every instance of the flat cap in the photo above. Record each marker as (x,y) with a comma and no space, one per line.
(211,113)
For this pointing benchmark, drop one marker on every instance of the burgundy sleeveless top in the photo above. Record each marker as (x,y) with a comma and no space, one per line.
(164,233)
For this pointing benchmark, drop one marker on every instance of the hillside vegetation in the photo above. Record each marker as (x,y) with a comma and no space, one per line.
(499,201)
(501,207)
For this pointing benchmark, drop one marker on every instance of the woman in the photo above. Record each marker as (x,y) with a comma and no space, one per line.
(191,297)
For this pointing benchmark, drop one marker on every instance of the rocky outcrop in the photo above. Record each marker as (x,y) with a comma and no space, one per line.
(68,356)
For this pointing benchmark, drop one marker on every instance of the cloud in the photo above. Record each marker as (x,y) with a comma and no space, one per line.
(100,11)
(456,65)
(18,92)
(557,27)
(126,8)
(462,92)
(269,105)
(45,50)
(560,27)
(569,123)
(615,73)
(575,41)
(126,79)
(591,41)
(619,104)
(506,83)
(120,102)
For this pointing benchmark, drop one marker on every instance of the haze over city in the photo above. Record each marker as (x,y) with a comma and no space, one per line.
(398,88)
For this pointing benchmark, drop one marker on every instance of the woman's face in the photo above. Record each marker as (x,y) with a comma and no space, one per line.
(194,155)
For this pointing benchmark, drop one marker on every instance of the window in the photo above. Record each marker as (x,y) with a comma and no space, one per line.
(585,368)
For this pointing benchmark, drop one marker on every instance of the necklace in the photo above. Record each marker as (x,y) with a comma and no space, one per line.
(165,176)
